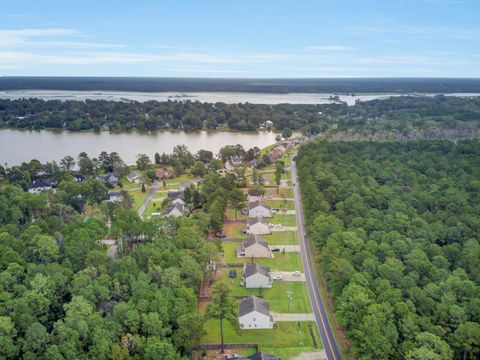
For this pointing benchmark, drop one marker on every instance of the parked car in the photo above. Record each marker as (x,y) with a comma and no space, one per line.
(277,277)
(296,273)
(275,249)
(232,274)
(220,234)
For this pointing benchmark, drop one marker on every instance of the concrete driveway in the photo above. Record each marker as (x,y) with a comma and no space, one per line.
(288,276)
(312,355)
(287,248)
(292,317)
(283,228)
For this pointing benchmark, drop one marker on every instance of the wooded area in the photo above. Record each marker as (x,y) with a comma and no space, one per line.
(401,118)
(397,228)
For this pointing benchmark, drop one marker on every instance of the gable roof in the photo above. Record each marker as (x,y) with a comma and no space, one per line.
(254,204)
(252,269)
(253,303)
(176,206)
(133,175)
(40,184)
(175,194)
(254,240)
(253,221)
(263,356)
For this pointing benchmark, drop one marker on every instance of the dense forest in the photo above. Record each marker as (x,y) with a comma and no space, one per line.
(397,227)
(62,298)
(402,118)
(152,84)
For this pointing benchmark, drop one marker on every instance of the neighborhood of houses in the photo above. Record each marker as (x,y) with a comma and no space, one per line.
(263,246)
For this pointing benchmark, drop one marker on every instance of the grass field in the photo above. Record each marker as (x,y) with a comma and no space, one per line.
(234,230)
(287,262)
(138,197)
(281,204)
(285,220)
(288,339)
(282,238)
(230,214)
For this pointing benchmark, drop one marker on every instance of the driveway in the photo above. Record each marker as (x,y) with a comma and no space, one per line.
(286,248)
(288,276)
(149,197)
(312,355)
(292,317)
(283,228)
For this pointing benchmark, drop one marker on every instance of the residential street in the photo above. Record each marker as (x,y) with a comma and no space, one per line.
(323,324)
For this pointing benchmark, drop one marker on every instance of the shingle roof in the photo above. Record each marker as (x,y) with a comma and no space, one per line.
(254,240)
(253,221)
(253,303)
(254,204)
(263,356)
(40,184)
(251,269)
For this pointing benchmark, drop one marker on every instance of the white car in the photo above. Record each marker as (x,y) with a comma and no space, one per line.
(277,277)
(296,273)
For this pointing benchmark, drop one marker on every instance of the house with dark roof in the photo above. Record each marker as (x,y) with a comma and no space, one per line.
(78,177)
(256,276)
(256,209)
(111,178)
(39,186)
(257,226)
(262,356)
(115,196)
(176,210)
(134,177)
(254,313)
(254,247)
(233,162)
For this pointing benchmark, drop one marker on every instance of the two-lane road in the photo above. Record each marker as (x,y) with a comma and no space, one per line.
(323,324)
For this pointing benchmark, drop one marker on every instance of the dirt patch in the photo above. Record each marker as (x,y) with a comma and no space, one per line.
(233,230)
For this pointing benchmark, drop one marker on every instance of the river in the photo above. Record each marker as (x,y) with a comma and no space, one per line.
(18,146)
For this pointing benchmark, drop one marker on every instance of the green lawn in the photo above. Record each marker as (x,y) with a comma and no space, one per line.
(276,296)
(285,220)
(281,204)
(282,238)
(230,213)
(280,261)
(287,340)
(138,197)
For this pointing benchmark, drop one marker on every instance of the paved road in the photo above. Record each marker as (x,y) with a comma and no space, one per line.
(152,192)
(323,324)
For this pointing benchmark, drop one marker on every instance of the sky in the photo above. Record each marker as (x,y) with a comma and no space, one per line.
(240,38)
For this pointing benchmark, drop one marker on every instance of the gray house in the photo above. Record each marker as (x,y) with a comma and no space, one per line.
(254,313)
(257,226)
(254,247)
(262,356)
(176,210)
(258,209)
(111,178)
(256,276)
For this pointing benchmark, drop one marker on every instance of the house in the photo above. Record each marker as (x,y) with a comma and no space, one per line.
(134,177)
(257,226)
(253,198)
(280,148)
(186,184)
(269,124)
(175,194)
(253,163)
(115,196)
(254,313)
(39,186)
(256,276)
(275,154)
(175,211)
(255,247)
(178,200)
(233,162)
(79,178)
(111,178)
(163,174)
(258,209)
(262,356)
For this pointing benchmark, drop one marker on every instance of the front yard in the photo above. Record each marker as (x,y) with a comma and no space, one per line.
(285,220)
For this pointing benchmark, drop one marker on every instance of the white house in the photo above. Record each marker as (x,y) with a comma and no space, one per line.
(232,163)
(115,196)
(134,177)
(256,276)
(257,209)
(175,211)
(255,246)
(254,313)
(257,226)
(39,186)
